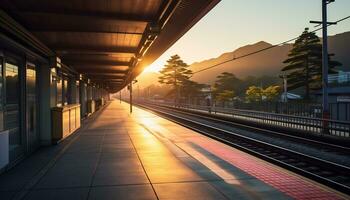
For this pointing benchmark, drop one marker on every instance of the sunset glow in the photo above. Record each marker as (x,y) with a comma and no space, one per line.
(217,32)
(149,69)
(154,67)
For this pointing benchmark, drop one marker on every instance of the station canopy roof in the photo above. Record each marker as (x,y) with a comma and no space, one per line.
(109,41)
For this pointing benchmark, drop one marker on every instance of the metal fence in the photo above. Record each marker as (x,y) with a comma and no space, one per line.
(295,108)
(305,124)
(338,111)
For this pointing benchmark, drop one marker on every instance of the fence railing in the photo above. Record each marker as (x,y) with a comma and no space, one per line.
(338,111)
(301,123)
(291,108)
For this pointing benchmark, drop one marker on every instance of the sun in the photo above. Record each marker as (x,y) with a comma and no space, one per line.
(155,67)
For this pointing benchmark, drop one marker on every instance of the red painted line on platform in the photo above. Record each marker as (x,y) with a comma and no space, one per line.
(292,185)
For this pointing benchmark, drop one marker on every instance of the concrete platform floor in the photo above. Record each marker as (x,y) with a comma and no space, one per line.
(116,155)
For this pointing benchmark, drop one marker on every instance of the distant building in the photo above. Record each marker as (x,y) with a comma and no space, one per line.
(290,96)
(338,95)
(339,88)
(342,78)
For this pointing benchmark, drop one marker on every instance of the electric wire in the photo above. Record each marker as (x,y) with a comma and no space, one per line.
(263,49)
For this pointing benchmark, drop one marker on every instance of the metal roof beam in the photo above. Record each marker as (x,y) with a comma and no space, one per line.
(63,50)
(107,80)
(106,75)
(80,31)
(114,82)
(93,62)
(102,70)
(89,15)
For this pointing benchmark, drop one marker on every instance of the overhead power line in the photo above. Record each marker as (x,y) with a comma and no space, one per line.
(261,50)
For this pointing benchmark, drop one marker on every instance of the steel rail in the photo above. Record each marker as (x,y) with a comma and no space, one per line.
(218,119)
(329,173)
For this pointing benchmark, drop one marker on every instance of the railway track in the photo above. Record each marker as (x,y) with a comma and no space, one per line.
(328,146)
(326,172)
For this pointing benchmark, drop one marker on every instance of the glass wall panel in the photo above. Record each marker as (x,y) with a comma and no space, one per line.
(1,97)
(59,91)
(77,96)
(12,84)
(31,106)
(65,92)
(12,120)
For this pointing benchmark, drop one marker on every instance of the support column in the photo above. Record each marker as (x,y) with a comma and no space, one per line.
(130,100)
(83,98)
(47,99)
(72,85)
(89,92)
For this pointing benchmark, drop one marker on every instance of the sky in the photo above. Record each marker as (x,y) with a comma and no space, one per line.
(235,23)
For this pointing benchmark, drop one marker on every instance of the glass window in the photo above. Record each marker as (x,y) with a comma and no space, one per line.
(31,78)
(12,81)
(65,91)
(1,96)
(59,91)
(77,96)
(1,86)
(13,108)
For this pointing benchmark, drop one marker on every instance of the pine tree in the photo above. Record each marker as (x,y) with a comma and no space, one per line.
(227,82)
(191,89)
(175,73)
(226,95)
(304,63)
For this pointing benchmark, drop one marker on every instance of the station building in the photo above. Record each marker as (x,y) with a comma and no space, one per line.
(60,60)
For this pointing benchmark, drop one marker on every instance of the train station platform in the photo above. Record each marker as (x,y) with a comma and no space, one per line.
(117,155)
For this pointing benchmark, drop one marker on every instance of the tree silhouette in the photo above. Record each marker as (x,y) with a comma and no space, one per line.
(226,95)
(254,94)
(257,94)
(304,63)
(191,89)
(272,92)
(226,82)
(175,73)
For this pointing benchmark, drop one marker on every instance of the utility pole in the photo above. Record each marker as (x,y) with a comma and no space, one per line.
(325,68)
(285,88)
(325,113)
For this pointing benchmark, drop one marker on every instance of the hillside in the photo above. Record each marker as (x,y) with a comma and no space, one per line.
(340,45)
(265,63)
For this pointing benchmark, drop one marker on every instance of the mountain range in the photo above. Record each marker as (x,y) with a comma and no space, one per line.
(268,62)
